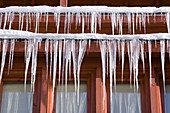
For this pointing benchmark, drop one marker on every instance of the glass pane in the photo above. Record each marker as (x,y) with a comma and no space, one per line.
(68,102)
(125,100)
(15,100)
(167,99)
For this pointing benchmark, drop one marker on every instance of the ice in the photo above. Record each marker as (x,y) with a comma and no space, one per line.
(46,52)
(4,51)
(11,54)
(51,57)
(162,48)
(54,68)
(142,54)
(5,20)
(113,22)
(46,22)
(34,63)
(82,50)
(123,56)
(168,22)
(59,59)
(1,20)
(150,60)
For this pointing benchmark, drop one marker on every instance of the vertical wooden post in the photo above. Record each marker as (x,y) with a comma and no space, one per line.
(64,3)
(155,94)
(101,95)
(43,101)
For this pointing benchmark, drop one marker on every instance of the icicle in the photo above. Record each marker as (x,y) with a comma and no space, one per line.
(4,51)
(113,22)
(19,21)
(129,22)
(82,23)
(162,44)
(46,21)
(60,55)
(92,26)
(123,56)
(46,52)
(99,21)
(168,48)
(65,22)
(142,54)
(54,68)
(27,22)
(144,22)
(136,51)
(167,22)
(29,15)
(137,16)
(51,56)
(11,19)
(11,55)
(28,52)
(129,46)
(57,21)
(140,22)
(121,25)
(37,22)
(1,14)
(82,50)
(133,23)
(5,20)
(68,22)
(150,61)
(34,63)
(22,21)
(75,60)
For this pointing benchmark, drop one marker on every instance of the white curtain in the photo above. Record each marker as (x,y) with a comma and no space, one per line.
(125,100)
(126,103)
(167,99)
(67,102)
(15,100)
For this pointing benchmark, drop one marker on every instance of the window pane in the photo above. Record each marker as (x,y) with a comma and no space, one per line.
(15,100)
(167,99)
(125,100)
(68,103)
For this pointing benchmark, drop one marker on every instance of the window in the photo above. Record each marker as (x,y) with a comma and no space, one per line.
(167,99)
(68,102)
(15,99)
(125,100)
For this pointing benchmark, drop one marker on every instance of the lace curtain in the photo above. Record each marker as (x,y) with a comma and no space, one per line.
(15,100)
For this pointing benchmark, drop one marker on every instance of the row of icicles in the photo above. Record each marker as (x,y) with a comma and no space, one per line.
(62,56)
(89,20)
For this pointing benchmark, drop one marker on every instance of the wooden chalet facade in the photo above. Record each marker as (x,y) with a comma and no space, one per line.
(152,96)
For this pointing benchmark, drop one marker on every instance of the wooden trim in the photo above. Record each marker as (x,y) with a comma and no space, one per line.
(1,91)
(155,94)
(64,3)
(44,92)
(101,94)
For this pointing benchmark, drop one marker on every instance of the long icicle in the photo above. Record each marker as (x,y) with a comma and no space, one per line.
(162,45)
(4,51)
(150,61)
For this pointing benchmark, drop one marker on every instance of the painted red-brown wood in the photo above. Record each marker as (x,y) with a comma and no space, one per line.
(155,94)
(64,3)
(44,91)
